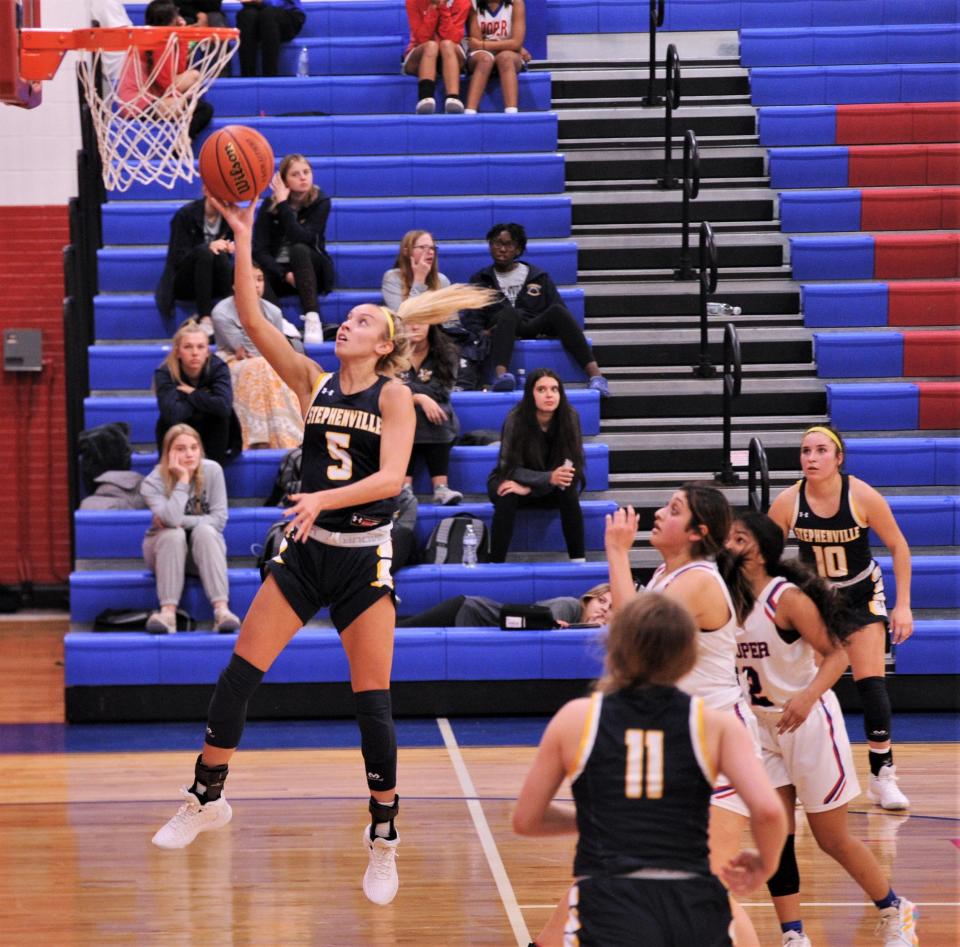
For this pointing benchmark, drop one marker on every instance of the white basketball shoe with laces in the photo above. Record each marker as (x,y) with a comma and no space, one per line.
(380,881)
(192,818)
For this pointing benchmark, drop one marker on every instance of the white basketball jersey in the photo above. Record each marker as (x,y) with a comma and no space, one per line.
(714,676)
(776,665)
(498,25)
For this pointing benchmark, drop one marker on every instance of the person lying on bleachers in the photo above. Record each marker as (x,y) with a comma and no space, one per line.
(477,611)
(495,34)
(199,263)
(194,388)
(263,26)
(437,29)
(541,464)
(187,495)
(289,242)
(268,410)
(530,308)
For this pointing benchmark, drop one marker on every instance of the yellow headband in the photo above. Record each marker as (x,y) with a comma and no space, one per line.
(818,429)
(390,325)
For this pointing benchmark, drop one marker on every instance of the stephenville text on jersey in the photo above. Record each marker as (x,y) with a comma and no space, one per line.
(827,536)
(344,417)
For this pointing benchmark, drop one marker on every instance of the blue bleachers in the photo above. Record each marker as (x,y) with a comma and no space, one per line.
(475,409)
(810,167)
(358,266)
(844,304)
(403,175)
(133,316)
(850,256)
(891,406)
(131,223)
(858,354)
(904,462)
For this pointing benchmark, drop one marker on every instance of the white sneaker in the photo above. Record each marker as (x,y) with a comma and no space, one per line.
(380,881)
(426,106)
(443,495)
(884,791)
(225,621)
(793,939)
(191,819)
(289,329)
(453,106)
(161,623)
(312,330)
(898,926)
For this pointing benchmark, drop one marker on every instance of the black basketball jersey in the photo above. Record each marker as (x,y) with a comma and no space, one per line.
(642,784)
(341,445)
(838,547)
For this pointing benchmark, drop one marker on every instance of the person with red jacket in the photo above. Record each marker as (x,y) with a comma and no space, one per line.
(436,31)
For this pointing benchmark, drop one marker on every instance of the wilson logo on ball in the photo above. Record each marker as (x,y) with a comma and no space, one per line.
(240,182)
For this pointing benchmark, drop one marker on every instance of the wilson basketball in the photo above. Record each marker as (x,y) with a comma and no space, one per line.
(236,163)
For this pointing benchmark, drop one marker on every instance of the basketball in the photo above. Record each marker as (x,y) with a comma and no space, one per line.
(236,163)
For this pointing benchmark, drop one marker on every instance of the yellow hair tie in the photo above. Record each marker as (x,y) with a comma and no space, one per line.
(390,324)
(819,429)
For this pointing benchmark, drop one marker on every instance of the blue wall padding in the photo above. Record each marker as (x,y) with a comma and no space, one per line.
(844,304)
(113,659)
(874,407)
(797,125)
(572,654)
(810,167)
(837,85)
(831,13)
(858,354)
(947,464)
(820,211)
(893,462)
(924,520)
(848,257)
(924,43)
(935,582)
(934,82)
(933,648)
(480,655)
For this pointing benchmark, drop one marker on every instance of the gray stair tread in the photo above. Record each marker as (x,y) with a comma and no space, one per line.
(614,48)
(631,241)
(654,195)
(726,288)
(714,333)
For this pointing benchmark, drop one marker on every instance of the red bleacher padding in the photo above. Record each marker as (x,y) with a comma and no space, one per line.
(939,405)
(950,209)
(924,304)
(913,255)
(943,164)
(903,122)
(875,166)
(902,208)
(935,354)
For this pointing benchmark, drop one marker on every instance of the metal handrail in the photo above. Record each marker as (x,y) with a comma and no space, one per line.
(671,101)
(757,467)
(708,284)
(691,188)
(656,19)
(732,376)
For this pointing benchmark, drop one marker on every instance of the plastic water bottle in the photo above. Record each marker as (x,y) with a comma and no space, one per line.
(521,378)
(469,546)
(303,63)
(723,309)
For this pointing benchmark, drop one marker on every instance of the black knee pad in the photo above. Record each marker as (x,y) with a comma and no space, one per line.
(378,739)
(228,708)
(876,708)
(786,879)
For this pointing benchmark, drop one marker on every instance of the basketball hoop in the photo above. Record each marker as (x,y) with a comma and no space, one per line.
(142,112)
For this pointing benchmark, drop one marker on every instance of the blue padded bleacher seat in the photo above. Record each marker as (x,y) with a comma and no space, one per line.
(846,257)
(341,55)
(874,407)
(933,648)
(923,43)
(858,354)
(250,475)
(844,304)
(923,520)
(820,211)
(828,85)
(475,409)
(831,13)
(893,462)
(809,167)
(935,582)
(797,125)
(947,463)
(933,82)
(358,266)
(921,11)
(134,316)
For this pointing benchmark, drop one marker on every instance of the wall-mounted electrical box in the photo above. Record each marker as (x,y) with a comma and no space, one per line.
(22,350)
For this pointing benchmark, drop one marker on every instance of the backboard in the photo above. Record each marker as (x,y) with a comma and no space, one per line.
(14,16)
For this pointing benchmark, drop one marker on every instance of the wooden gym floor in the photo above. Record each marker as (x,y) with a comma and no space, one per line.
(77,866)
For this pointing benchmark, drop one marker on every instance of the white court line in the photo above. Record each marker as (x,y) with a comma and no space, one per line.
(499,873)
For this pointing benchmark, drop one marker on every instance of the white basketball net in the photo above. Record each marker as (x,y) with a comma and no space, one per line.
(141,118)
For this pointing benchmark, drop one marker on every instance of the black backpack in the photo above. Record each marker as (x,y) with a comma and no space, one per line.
(445,543)
(287,480)
(102,448)
(132,619)
(271,545)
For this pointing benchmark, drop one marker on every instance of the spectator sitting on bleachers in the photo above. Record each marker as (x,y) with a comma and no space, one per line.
(531,307)
(187,495)
(495,35)
(263,26)
(477,611)
(541,464)
(289,244)
(431,377)
(199,264)
(268,410)
(202,12)
(194,388)
(437,29)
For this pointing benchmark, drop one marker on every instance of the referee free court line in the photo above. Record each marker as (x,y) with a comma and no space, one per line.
(487,842)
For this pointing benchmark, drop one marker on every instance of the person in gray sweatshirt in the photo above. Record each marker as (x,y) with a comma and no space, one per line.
(187,495)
